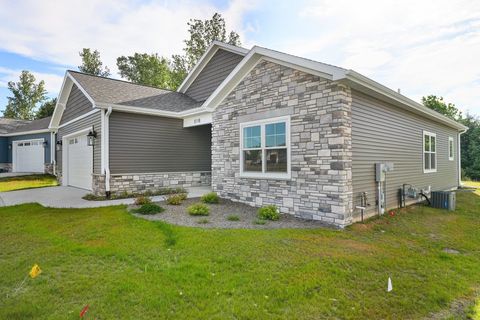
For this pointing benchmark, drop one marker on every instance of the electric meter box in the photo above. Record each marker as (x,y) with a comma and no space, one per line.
(381,169)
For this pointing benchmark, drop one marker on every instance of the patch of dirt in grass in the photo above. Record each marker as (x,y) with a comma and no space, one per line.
(459,309)
(219,213)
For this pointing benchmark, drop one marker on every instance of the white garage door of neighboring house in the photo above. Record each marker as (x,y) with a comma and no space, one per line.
(28,156)
(79,162)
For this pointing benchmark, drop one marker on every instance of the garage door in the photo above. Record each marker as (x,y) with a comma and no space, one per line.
(28,156)
(79,162)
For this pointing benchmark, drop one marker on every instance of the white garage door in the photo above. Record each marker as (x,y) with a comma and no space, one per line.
(28,156)
(79,162)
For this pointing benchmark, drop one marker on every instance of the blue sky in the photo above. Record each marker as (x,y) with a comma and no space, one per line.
(421,47)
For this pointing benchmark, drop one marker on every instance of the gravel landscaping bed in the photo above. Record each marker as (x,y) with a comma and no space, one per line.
(219,215)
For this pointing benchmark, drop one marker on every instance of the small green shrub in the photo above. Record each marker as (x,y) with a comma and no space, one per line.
(175,199)
(183,196)
(203,221)
(259,221)
(269,212)
(210,197)
(198,209)
(233,217)
(141,200)
(149,208)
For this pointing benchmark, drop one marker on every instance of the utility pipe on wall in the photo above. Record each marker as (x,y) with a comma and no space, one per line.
(106,140)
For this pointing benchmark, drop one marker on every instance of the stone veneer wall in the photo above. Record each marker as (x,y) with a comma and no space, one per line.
(6,167)
(320,187)
(49,168)
(141,182)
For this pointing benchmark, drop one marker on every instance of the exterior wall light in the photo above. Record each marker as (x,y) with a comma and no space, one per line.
(45,143)
(58,145)
(9,146)
(91,136)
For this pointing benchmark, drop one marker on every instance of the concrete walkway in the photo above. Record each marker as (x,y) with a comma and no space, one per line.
(69,197)
(15,174)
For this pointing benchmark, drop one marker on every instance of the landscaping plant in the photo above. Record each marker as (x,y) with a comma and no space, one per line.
(198,209)
(149,208)
(175,199)
(210,197)
(269,212)
(141,200)
(233,217)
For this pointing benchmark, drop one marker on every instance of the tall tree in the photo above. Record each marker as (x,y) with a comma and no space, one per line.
(46,109)
(202,34)
(147,69)
(26,96)
(92,64)
(438,104)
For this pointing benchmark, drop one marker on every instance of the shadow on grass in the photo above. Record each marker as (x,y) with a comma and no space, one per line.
(170,235)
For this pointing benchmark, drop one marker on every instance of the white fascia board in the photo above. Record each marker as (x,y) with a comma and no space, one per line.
(81,89)
(14,134)
(152,112)
(61,101)
(68,82)
(79,118)
(205,58)
(373,88)
(258,54)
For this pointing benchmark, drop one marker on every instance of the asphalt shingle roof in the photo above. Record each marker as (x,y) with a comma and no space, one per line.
(33,125)
(106,90)
(7,125)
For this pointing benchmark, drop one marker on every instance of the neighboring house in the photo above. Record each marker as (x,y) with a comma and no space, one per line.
(26,146)
(261,127)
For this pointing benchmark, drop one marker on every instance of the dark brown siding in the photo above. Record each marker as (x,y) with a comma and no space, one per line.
(216,70)
(143,143)
(77,104)
(381,133)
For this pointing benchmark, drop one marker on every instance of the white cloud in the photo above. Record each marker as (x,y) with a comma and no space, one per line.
(56,31)
(422,47)
(53,82)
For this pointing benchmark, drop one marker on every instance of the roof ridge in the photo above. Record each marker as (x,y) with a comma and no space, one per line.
(120,80)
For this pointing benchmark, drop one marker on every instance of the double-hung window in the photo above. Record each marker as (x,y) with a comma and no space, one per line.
(265,148)
(429,152)
(450,148)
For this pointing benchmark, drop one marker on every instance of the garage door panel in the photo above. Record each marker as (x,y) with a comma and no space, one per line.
(79,162)
(29,156)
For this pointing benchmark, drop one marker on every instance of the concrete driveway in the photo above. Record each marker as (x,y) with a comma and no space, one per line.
(70,197)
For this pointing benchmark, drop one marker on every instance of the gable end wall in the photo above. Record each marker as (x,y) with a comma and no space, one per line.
(320,187)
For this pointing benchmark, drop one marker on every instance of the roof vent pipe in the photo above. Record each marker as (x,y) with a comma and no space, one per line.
(398,90)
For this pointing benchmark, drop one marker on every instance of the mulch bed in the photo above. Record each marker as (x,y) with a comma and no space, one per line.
(218,217)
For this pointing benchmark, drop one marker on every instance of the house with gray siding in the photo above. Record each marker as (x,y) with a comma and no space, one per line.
(260,127)
(26,146)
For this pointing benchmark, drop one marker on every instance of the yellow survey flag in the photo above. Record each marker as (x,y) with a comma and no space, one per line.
(35,271)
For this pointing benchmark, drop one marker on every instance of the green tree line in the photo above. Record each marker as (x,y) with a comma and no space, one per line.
(470,140)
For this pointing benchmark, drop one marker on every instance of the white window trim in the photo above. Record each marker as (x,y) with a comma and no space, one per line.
(263,174)
(451,157)
(431,134)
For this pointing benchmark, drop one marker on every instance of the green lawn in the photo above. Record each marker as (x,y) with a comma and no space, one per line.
(129,268)
(27,182)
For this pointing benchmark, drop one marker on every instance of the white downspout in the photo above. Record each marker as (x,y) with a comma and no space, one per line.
(53,150)
(106,137)
(459,147)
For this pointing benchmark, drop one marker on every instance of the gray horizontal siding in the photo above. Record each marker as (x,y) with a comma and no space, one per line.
(382,132)
(93,120)
(214,72)
(142,143)
(77,104)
